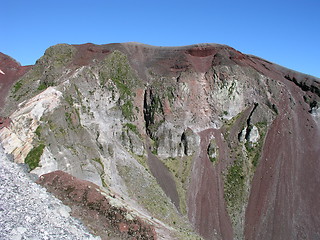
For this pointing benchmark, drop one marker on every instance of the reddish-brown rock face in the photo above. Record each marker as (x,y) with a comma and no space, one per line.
(10,71)
(94,209)
(283,201)
(4,122)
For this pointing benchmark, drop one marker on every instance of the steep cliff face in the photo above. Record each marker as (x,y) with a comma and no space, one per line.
(202,139)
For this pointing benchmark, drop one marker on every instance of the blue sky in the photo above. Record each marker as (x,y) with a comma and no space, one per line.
(286,32)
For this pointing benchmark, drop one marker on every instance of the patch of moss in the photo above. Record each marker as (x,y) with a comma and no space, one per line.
(229,124)
(44,85)
(68,117)
(232,88)
(116,67)
(38,131)
(127,110)
(133,128)
(234,185)
(17,86)
(142,160)
(69,100)
(33,157)
(72,117)
(237,180)
(154,146)
(98,160)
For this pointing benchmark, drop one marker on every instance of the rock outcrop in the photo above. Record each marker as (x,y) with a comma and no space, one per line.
(102,212)
(203,140)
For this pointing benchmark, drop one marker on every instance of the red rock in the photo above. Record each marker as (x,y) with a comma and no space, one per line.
(4,122)
(123,227)
(90,206)
(11,71)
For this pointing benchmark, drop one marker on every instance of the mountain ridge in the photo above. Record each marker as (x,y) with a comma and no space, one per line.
(205,139)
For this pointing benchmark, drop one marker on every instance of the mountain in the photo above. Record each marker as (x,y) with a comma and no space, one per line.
(188,142)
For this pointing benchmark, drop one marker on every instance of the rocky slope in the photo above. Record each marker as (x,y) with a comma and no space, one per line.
(27,211)
(195,141)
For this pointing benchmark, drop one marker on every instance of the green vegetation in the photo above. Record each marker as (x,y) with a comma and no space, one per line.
(142,159)
(232,88)
(234,187)
(44,85)
(58,55)
(44,73)
(38,131)
(133,128)
(154,144)
(98,160)
(127,110)
(116,67)
(230,123)
(33,157)
(26,85)
(237,179)
(68,117)
(69,100)
(72,117)
(102,174)
(17,86)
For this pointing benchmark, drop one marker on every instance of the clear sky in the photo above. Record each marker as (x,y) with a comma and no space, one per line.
(286,32)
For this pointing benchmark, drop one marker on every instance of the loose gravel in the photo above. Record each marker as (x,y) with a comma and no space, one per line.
(27,211)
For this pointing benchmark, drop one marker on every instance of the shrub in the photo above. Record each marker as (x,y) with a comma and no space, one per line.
(33,157)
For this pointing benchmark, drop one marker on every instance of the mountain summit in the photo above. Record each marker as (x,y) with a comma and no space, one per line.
(146,142)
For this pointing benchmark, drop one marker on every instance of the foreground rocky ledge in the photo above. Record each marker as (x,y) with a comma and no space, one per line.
(95,209)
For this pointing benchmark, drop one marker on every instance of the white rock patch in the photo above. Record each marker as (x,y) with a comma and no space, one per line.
(254,135)
(17,139)
(316,115)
